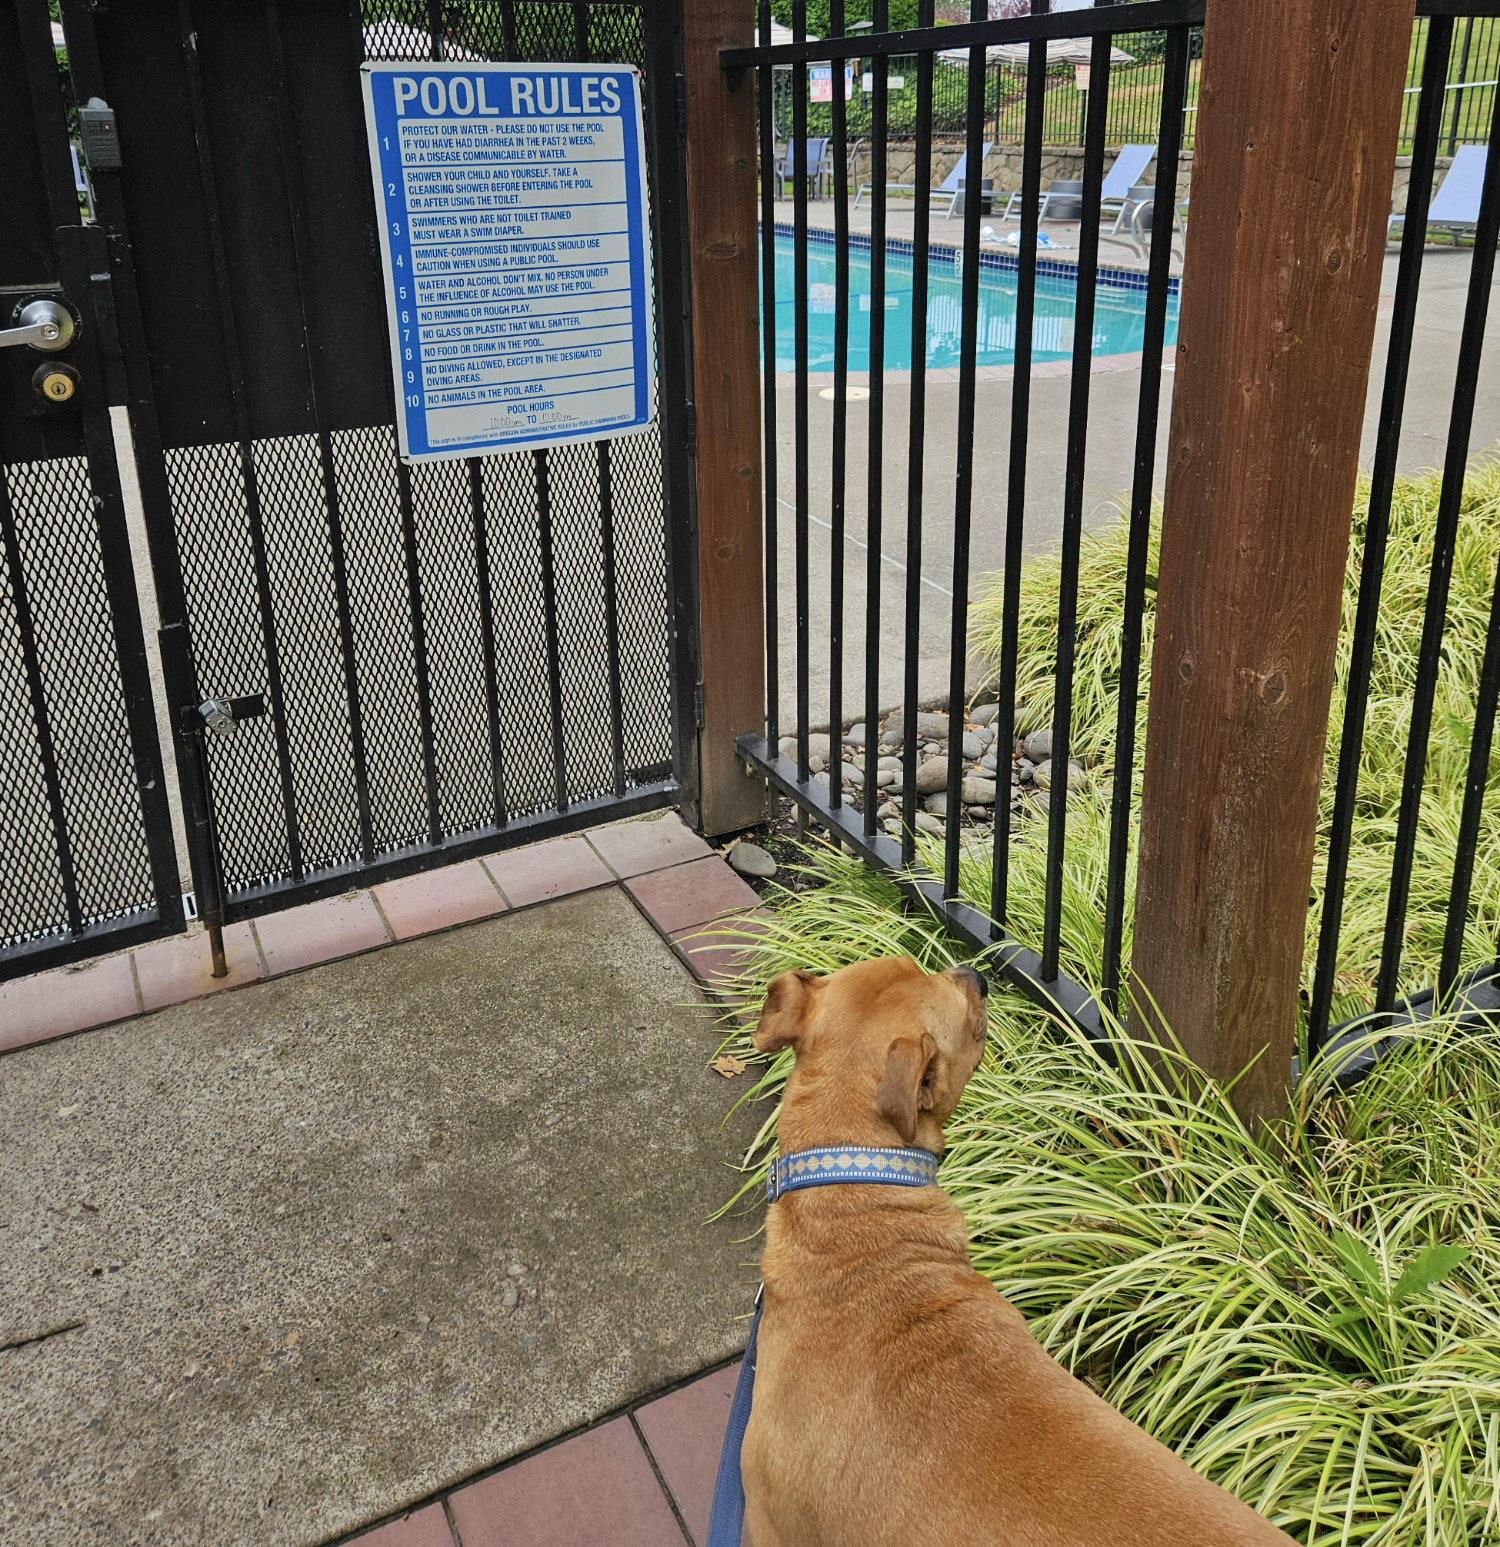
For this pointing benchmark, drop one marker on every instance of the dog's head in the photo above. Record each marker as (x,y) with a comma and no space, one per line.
(884,1051)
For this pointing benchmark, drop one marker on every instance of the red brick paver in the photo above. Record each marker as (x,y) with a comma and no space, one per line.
(171,971)
(596,1490)
(438,899)
(686,895)
(426,1528)
(320,931)
(52,1004)
(715,956)
(685,1430)
(632,848)
(543,871)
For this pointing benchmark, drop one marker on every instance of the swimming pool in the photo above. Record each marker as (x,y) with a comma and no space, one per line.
(1119,307)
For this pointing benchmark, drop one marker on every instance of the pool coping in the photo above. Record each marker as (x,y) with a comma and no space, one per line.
(1123,279)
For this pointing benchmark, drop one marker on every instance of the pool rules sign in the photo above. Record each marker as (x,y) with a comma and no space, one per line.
(514,230)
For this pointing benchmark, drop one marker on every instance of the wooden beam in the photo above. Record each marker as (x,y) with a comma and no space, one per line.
(722,188)
(1299,103)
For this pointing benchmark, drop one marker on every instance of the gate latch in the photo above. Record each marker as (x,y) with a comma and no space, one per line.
(223,715)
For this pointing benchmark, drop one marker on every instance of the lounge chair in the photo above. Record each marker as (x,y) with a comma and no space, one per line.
(1456,206)
(951,187)
(819,164)
(1113,194)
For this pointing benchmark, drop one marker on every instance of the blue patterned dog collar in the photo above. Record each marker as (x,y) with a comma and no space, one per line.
(850,1163)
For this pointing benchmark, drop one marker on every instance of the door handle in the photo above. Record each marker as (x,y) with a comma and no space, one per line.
(46,325)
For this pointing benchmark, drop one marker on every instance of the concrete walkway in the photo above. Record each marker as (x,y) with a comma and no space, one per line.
(354,1236)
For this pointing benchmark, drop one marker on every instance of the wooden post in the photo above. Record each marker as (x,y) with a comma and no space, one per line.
(1299,103)
(721,182)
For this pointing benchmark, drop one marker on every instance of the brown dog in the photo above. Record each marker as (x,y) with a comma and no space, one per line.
(898,1398)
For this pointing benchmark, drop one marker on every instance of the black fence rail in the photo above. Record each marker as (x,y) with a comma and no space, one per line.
(942,877)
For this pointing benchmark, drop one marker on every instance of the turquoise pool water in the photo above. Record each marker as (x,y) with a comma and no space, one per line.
(1119,310)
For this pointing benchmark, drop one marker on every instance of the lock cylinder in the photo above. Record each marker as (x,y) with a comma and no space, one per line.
(55,382)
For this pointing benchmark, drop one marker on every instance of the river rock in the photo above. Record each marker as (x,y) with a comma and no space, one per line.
(929,824)
(752,860)
(937,804)
(990,763)
(984,713)
(889,765)
(973,746)
(852,775)
(855,735)
(932,727)
(932,775)
(978,792)
(1042,776)
(1039,745)
(885,777)
(1025,769)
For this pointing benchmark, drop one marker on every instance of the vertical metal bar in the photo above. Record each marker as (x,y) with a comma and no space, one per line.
(549,611)
(36,691)
(875,438)
(1163,214)
(611,616)
(1015,496)
(580,32)
(768,326)
(508,29)
(916,435)
(963,493)
(235,373)
(487,638)
(1078,425)
(1377,524)
(798,158)
(422,670)
(1463,75)
(291,165)
(666,131)
(840,421)
(1476,783)
(1429,660)
(435,28)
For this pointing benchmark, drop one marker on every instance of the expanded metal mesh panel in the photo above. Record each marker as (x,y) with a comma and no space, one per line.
(542,31)
(305,552)
(60,689)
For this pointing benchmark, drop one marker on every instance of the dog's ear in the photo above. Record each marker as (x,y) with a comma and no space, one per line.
(785,1009)
(905,1087)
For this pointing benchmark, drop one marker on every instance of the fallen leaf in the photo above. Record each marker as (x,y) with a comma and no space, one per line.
(729,1066)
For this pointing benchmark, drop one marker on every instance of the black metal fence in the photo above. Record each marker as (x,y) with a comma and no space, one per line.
(944,880)
(1135,94)
(425,662)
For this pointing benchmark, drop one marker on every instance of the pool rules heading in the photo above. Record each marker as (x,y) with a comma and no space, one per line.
(515,237)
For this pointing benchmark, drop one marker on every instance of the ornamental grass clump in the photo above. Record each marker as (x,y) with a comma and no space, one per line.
(1403,599)
(1310,1317)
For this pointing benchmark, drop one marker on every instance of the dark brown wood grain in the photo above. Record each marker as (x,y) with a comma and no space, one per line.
(1296,137)
(721,175)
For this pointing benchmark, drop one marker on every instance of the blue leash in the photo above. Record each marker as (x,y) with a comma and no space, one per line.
(805,1168)
(726,1522)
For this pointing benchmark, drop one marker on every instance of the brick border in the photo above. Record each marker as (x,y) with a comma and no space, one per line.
(677,881)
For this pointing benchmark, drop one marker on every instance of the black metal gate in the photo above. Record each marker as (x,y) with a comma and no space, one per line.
(370,667)
(87,861)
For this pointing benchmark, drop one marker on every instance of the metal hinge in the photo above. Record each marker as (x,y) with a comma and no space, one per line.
(690,429)
(681,107)
(698,704)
